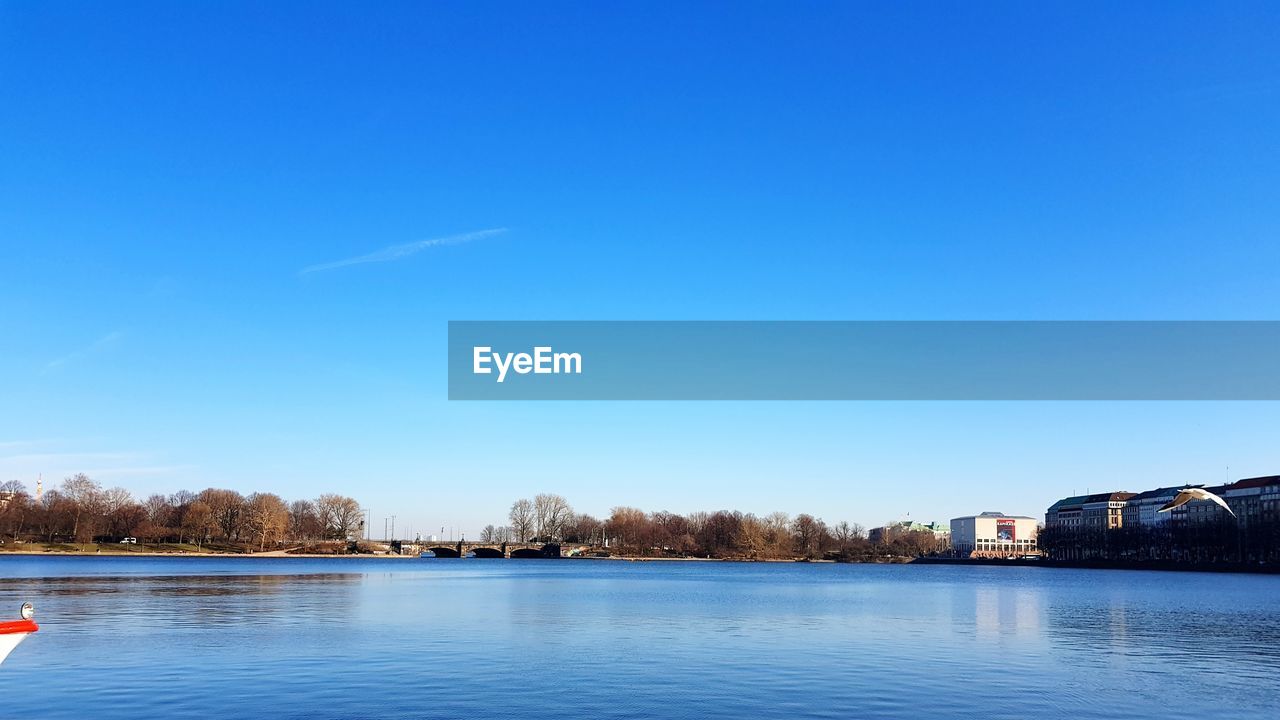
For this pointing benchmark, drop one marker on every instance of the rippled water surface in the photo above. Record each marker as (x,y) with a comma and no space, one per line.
(347,638)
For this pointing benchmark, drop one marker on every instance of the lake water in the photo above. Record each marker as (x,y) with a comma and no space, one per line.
(347,638)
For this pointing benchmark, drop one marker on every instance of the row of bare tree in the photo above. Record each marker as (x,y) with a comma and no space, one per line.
(631,531)
(82,511)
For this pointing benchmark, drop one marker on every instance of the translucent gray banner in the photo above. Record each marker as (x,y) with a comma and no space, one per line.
(981,360)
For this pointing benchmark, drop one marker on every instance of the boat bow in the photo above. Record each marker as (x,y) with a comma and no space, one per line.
(13,632)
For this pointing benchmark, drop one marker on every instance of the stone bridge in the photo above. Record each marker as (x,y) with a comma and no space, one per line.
(466,548)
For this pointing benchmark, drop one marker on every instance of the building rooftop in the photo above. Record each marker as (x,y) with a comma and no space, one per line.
(908,523)
(992,514)
(1109,496)
(1254,482)
(1074,500)
(1077,501)
(1160,492)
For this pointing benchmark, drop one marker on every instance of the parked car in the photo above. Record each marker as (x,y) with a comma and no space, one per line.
(129,541)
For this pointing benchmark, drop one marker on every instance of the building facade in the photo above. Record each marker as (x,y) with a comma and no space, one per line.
(1143,509)
(1104,511)
(1100,511)
(1067,512)
(1128,526)
(994,535)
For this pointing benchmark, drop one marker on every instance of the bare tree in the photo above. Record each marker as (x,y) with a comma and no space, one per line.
(84,496)
(180,502)
(696,521)
(522,519)
(339,515)
(158,510)
(54,514)
(551,512)
(268,517)
(198,521)
(15,505)
(119,510)
(227,507)
(125,520)
(629,527)
(489,534)
(11,488)
(810,533)
(181,499)
(843,534)
(585,528)
(719,534)
(753,540)
(115,498)
(672,532)
(777,534)
(304,522)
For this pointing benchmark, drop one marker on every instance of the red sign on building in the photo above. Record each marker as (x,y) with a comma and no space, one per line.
(1005,531)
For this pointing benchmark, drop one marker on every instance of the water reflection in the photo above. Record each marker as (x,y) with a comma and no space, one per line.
(1001,611)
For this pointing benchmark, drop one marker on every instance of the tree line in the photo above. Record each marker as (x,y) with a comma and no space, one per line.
(82,511)
(719,534)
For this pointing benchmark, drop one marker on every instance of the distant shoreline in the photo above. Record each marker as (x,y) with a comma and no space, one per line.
(258,556)
(411,556)
(277,554)
(1164,566)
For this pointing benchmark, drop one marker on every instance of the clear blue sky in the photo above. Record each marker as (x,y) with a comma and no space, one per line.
(168,169)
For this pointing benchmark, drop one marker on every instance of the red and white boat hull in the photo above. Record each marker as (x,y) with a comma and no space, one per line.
(14,632)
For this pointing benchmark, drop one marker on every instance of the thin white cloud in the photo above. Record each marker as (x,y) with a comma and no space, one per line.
(103,466)
(71,458)
(107,473)
(103,343)
(397,252)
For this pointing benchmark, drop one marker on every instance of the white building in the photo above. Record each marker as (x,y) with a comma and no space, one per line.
(993,534)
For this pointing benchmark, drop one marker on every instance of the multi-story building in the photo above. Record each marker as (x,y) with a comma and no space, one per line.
(1143,509)
(994,534)
(1100,511)
(1067,512)
(1104,511)
(888,531)
(1078,528)
(1255,501)
(1251,499)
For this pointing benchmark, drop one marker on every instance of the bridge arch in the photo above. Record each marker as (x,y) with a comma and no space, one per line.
(528,553)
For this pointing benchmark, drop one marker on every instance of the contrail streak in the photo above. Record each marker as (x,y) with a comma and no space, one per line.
(396,252)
